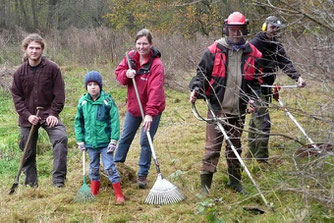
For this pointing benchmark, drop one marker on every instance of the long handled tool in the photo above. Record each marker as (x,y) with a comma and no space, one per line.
(276,97)
(25,152)
(162,192)
(220,126)
(84,194)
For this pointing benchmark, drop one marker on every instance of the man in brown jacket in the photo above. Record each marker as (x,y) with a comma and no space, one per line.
(38,83)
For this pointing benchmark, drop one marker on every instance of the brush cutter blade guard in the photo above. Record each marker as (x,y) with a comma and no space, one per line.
(309,150)
(164,192)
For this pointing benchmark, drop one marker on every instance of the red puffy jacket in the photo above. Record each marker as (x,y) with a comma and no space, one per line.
(150,83)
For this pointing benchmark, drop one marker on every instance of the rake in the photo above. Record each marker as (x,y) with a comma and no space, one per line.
(84,194)
(162,192)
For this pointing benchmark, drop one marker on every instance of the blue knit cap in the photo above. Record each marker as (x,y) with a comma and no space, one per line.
(93,76)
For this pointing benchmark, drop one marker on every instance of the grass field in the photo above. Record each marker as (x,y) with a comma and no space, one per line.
(298,188)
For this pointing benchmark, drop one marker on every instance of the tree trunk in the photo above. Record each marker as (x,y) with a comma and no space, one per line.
(52,10)
(34,16)
(25,16)
(3,14)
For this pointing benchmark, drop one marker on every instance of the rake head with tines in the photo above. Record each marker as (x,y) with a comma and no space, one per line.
(164,192)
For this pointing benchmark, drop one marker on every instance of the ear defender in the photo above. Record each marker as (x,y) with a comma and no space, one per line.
(264,27)
(224,28)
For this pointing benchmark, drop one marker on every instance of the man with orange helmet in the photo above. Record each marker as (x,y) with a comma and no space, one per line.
(228,75)
(273,58)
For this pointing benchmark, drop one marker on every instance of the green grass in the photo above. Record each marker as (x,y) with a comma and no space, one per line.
(179,145)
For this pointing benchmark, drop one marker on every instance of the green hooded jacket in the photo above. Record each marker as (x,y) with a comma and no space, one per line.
(96,122)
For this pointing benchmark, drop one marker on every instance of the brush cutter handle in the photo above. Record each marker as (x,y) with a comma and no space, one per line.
(157,166)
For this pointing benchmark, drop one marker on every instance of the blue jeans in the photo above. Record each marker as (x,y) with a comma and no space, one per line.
(108,163)
(131,124)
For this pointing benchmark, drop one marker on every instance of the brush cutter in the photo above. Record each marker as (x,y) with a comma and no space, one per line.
(25,152)
(84,194)
(276,97)
(162,192)
(217,121)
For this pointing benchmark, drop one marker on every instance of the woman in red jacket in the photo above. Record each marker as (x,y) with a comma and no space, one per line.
(148,71)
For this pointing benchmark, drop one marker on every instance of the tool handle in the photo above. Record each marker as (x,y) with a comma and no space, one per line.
(157,166)
(83,162)
(25,150)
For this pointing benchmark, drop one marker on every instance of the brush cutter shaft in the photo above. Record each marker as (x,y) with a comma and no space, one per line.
(216,120)
(299,126)
(220,126)
(281,86)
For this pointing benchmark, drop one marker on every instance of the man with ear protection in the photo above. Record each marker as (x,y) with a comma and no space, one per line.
(229,76)
(273,58)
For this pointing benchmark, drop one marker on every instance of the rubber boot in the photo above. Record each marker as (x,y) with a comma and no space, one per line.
(95,187)
(206,180)
(234,181)
(118,194)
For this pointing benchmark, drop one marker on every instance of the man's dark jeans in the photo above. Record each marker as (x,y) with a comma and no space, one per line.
(58,138)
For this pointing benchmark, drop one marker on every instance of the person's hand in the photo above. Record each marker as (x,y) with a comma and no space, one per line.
(300,82)
(112,146)
(147,122)
(193,96)
(130,73)
(52,121)
(33,119)
(252,107)
(81,146)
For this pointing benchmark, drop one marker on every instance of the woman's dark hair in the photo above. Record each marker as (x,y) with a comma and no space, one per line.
(146,33)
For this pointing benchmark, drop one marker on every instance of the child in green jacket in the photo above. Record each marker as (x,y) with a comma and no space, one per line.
(97,130)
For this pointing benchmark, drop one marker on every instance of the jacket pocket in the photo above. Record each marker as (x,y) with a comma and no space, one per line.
(219,65)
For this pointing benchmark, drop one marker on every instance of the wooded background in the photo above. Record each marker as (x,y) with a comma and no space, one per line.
(181,16)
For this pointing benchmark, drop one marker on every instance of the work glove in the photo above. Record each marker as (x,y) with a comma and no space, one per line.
(277,88)
(81,146)
(112,146)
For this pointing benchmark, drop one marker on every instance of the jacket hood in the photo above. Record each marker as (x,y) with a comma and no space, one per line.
(100,99)
(155,52)
(263,37)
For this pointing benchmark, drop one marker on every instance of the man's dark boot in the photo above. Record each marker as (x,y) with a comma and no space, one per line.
(234,180)
(206,180)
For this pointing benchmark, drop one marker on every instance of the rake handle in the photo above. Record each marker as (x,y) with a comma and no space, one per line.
(157,166)
(83,162)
